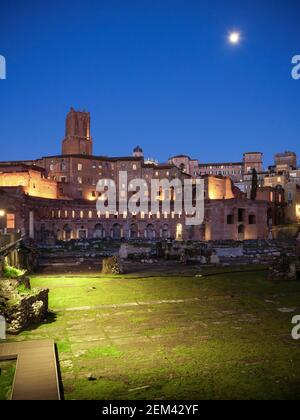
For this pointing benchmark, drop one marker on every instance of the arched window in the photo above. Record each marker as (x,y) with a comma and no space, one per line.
(252,219)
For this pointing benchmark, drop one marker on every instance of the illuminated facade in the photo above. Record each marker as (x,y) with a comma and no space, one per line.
(54,198)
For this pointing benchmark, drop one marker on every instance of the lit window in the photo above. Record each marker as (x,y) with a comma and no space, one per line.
(134,167)
(10,221)
(90,214)
(79,179)
(81,214)
(79,166)
(73,214)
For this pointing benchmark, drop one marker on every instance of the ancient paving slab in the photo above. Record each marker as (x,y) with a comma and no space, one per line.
(36,370)
(128,305)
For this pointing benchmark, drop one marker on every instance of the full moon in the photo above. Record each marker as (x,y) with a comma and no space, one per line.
(234,37)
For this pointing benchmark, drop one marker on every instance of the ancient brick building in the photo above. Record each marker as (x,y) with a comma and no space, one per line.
(54,197)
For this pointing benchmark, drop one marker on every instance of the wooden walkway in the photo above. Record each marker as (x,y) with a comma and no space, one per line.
(36,375)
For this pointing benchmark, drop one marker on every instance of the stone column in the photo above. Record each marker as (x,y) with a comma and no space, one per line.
(31,224)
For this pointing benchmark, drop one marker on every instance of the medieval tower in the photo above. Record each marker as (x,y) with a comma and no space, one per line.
(77,139)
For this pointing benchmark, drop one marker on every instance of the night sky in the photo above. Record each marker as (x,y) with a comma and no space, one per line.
(160,74)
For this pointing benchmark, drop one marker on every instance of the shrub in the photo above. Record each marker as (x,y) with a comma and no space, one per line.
(10,272)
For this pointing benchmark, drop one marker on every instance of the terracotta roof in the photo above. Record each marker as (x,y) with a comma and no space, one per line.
(21,165)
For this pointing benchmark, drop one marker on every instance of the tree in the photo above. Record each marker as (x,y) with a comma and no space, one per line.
(254,185)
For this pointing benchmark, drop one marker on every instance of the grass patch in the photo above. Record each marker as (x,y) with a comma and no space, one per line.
(105,351)
(64,346)
(7,372)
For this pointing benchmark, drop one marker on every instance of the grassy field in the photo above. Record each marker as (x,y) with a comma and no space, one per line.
(176,336)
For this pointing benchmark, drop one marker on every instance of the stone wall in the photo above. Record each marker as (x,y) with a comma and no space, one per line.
(127,251)
(31,309)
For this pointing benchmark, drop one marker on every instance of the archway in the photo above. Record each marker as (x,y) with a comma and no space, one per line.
(150,232)
(82,233)
(165,232)
(241,232)
(67,233)
(133,232)
(191,232)
(99,231)
(179,232)
(116,231)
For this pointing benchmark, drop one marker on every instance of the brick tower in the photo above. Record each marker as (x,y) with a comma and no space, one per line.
(77,138)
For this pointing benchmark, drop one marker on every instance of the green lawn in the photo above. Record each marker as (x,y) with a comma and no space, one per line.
(7,372)
(225,339)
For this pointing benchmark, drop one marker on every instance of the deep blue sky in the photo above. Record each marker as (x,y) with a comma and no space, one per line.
(157,73)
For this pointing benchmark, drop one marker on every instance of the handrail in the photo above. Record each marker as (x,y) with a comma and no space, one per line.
(7,240)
